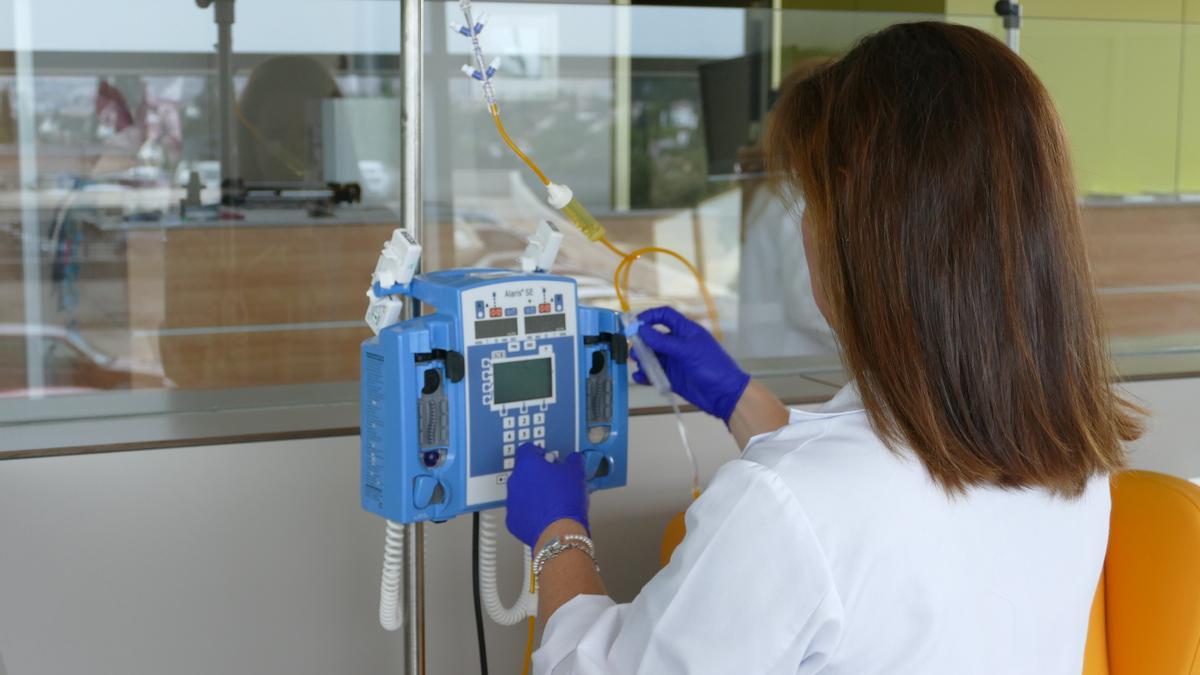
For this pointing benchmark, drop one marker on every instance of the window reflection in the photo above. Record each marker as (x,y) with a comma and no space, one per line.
(120,269)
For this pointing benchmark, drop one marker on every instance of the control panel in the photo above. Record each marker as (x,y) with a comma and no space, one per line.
(502,358)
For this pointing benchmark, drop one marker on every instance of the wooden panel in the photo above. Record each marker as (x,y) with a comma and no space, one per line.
(266,275)
(1143,245)
(261,359)
(1151,314)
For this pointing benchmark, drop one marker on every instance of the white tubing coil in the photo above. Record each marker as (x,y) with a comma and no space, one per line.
(390,582)
(526,604)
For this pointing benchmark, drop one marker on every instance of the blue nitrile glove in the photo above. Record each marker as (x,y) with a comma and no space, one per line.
(698,368)
(541,492)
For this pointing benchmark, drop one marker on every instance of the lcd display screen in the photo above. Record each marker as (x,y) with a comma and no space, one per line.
(495,328)
(524,380)
(545,323)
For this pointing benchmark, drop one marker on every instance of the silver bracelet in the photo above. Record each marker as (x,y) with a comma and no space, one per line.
(560,545)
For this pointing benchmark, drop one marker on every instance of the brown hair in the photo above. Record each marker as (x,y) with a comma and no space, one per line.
(946,231)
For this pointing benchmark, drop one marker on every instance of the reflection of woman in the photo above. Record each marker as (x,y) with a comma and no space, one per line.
(776,313)
(948,511)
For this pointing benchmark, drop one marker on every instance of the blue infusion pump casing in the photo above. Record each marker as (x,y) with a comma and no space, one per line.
(503,358)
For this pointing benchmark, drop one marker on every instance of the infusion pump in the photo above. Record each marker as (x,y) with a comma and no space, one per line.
(496,359)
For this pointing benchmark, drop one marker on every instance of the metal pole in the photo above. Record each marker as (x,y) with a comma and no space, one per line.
(411,199)
(414,645)
(31,228)
(223,15)
(1010,10)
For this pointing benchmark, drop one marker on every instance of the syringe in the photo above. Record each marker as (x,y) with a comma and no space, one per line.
(657,377)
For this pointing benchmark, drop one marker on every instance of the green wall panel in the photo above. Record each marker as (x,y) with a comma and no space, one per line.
(1120,10)
(1189,141)
(1116,85)
(1130,103)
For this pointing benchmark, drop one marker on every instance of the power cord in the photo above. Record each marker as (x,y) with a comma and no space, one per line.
(483,667)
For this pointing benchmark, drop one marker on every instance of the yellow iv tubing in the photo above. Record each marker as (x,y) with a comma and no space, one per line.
(563,200)
(594,231)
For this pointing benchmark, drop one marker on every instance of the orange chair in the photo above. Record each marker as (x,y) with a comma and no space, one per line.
(1146,615)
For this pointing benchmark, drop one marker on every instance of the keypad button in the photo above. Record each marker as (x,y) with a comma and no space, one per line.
(509,437)
(523,420)
(510,311)
(510,449)
(487,399)
(539,432)
(522,434)
(508,463)
(487,387)
(530,345)
(501,479)
(509,422)
(514,346)
(497,355)
(485,362)
(539,418)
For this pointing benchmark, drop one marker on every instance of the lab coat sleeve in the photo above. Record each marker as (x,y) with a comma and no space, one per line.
(748,591)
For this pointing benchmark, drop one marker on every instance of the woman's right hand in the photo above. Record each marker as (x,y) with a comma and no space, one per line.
(698,368)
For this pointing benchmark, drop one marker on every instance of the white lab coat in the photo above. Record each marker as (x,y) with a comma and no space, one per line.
(820,551)
(777,315)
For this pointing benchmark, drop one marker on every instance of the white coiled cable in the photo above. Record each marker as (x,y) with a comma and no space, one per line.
(390,583)
(526,604)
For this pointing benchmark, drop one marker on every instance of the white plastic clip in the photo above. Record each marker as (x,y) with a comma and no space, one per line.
(382,312)
(398,260)
(542,249)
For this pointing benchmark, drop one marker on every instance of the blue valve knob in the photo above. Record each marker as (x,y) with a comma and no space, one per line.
(426,491)
(595,464)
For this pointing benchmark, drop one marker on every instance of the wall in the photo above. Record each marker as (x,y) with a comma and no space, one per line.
(256,558)
(1123,74)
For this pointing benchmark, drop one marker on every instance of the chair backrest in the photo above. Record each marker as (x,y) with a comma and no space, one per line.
(1095,656)
(1151,585)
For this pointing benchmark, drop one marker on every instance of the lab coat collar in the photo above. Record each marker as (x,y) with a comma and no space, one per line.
(846,401)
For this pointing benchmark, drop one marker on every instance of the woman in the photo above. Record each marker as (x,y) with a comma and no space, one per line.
(948,511)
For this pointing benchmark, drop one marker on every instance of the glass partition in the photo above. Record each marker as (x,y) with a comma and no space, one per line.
(129,292)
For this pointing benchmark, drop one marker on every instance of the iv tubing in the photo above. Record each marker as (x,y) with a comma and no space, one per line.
(389,587)
(621,279)
(526,604)
(595,232)
(514,147)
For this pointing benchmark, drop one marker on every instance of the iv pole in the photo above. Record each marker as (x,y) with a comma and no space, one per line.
(1011,11)
(223,17)
(411,81)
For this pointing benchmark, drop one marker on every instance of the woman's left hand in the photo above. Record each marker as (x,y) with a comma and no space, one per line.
(541,492)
